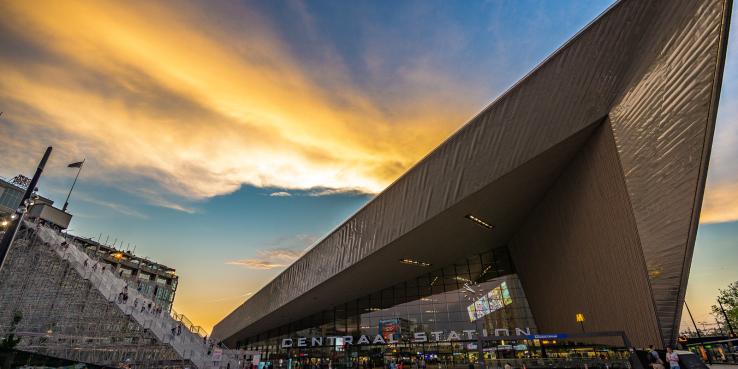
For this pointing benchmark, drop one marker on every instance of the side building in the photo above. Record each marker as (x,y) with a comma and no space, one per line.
(156,281)
(11,193)
(58,301)
(568,206)
(72,298)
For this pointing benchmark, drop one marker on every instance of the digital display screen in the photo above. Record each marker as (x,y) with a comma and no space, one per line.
(495,299)
(389,329)
(472,312)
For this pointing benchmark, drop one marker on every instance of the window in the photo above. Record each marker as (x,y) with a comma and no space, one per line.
(10,198)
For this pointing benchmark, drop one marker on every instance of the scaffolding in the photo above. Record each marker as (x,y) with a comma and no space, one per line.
(62,303)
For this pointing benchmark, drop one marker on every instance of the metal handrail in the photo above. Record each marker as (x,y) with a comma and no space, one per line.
(189,343)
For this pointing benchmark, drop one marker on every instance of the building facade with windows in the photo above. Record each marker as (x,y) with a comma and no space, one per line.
(155,281)
(10,198)
(576,193)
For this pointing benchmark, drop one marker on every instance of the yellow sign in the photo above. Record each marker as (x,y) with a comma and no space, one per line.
(580,317)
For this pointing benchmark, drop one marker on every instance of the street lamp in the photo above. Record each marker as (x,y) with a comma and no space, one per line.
(699,336)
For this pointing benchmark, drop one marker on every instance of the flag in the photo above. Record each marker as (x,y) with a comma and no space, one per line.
(76,165)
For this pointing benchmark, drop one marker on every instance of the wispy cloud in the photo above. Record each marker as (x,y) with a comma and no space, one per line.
(318,192)
(257,264)
(159,197)
(161,202)
(203,107)
(314,192)
(237,297)
(278,253)
(122,209)
(720,203)
(269,259)
(721,193)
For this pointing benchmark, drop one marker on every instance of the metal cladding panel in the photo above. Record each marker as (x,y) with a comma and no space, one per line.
(524,122)
(663,128)
(572,89)
(579,252)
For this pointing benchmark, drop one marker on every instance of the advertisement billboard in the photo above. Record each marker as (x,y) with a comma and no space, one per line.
(494,300)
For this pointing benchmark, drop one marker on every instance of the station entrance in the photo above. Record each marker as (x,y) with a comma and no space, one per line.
(519,352)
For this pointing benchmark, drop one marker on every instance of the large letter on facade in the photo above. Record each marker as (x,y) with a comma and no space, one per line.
(420,337)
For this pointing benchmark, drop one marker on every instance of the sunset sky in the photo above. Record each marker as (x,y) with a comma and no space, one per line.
(225,138)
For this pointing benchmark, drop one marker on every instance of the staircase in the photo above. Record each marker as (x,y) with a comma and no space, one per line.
(187,341)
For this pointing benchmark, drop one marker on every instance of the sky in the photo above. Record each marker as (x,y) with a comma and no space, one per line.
(224,138)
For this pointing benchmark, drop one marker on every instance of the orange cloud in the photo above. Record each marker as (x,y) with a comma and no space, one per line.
(269,259)
(720,203)
(202,108)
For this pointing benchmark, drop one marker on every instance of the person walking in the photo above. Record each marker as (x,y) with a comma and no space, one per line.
(672,358)
(654,359)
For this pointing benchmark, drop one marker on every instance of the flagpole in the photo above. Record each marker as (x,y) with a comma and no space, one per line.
(66,202)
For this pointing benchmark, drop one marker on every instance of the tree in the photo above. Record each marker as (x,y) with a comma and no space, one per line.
(728,298)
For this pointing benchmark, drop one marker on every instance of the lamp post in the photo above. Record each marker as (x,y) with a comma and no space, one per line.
(26,202)
(699,336)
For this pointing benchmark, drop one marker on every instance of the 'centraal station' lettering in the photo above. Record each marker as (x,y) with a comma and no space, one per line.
(418,337)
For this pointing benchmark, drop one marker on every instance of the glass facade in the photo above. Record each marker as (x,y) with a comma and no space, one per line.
(435,321)
(433,318)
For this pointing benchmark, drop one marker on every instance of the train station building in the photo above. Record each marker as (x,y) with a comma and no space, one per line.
(570,204)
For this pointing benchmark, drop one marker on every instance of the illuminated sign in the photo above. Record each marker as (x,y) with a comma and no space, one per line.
(417,337)
(496,299)
(547,336)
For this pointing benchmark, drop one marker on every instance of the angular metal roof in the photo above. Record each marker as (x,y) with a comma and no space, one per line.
(650,69)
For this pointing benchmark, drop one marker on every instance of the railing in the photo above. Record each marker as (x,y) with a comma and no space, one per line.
(187,323)
(187,342)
